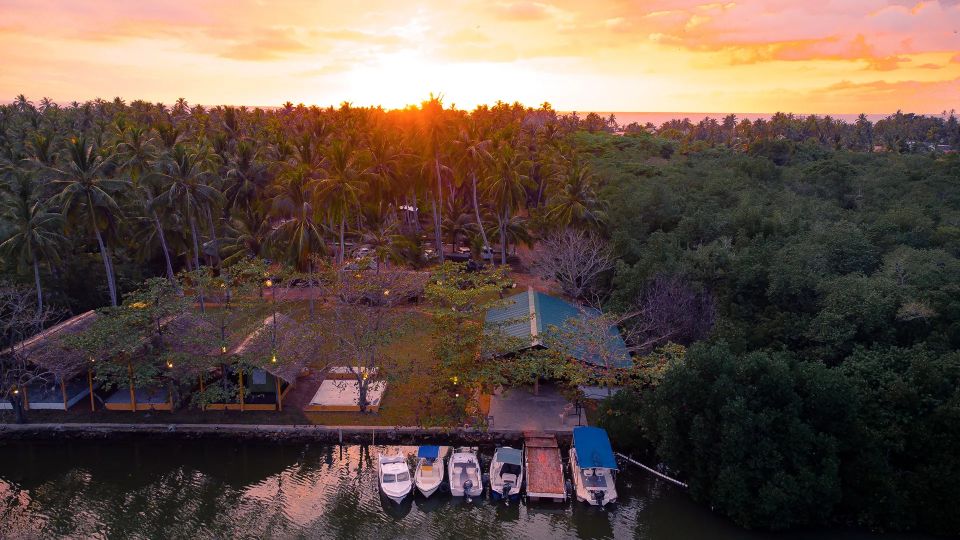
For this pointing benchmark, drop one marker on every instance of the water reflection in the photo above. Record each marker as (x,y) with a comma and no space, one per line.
(210,489)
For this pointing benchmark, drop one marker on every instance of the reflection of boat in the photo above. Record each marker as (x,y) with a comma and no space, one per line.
(394,477)
(506,473)
(429,474)
(464,471)
(593,466)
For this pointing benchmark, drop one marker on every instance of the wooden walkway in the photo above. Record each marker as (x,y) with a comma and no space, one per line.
(544,467)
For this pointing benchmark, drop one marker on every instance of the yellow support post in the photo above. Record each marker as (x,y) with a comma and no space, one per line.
(63,391)
(279,400)
(90,381)
(133,393)
(240,375)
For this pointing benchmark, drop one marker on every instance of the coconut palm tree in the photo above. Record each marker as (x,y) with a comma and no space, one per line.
(186,173)
(297,236)
(342,186)
(36,228)
(86,195)
(152,201)
(474,155)
(136,151)
(506,189)
(574,200)
(433,135)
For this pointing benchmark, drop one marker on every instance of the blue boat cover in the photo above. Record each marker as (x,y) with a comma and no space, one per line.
(428,452)
(593,448)
(509,455)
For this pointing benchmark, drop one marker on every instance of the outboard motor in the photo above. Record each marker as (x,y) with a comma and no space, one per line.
(598,496)
(467,486)
(507,486)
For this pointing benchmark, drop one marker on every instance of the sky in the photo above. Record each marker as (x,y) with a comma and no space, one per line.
(809,56)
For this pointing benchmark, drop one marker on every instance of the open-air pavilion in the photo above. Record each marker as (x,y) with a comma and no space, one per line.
(69,379)
(269,368)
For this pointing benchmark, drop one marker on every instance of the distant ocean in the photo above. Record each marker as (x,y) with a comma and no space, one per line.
(657,118)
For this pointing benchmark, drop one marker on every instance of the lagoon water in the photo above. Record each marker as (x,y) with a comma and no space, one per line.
(220,489)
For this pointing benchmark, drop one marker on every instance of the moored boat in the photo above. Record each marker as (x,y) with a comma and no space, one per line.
(506,473)
(394,477)
(429,474)
(593,466)
(463,469)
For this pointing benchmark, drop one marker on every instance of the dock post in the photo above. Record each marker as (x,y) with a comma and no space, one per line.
(340,436)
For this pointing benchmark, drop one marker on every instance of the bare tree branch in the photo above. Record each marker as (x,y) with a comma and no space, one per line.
(574,259)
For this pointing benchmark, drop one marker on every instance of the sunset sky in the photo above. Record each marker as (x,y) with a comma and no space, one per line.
(826,56)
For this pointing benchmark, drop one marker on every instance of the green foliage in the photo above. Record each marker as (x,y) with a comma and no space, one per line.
(757,436)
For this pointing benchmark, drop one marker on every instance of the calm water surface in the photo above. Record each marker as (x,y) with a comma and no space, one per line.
(215,489)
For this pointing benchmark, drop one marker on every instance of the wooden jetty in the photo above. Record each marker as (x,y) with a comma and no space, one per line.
(544,467)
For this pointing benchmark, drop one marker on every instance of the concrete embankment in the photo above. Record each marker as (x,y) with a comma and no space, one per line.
(267,433)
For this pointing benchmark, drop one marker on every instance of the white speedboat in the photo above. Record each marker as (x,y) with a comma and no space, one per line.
(463,468)
(593,466)
(506,473)
(429,473)
(395,477)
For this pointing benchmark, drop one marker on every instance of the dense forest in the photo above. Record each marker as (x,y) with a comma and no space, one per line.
(820,259)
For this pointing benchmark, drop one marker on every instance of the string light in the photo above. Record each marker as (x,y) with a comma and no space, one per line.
(169,364)
(223,349)
(16,390)
(386,292)
(269,283)
(273,359)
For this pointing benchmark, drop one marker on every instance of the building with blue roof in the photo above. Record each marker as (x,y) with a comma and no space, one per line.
(529,316)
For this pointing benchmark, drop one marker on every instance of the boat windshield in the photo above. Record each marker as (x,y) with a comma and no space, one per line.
(510,468)
(593,479)
(403,477)
(389,478)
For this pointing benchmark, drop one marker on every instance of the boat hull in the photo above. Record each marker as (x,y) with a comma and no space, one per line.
(585,494)
(428,490)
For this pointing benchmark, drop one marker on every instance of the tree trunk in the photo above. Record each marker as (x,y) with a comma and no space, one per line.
(416,213)
(310,285)
(16,402)
(362,395)
(213,238)
(196,261)
(36,277)
(476,210)
(166,250)
(196,243)
(438,209)
(343,223)
(111,285)
(503,239)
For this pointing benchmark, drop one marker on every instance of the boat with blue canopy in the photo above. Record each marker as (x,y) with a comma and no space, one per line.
(593,466)
(506,473)
(429,474)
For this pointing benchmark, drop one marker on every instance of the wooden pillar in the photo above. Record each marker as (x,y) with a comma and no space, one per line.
(90,381)
(240,375)
(63,390)
(202,407)
(133,393)
(279,400)
(26,398)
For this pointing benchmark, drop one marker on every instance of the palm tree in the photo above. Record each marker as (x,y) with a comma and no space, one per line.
(433,133)
(506,189)
(136,151)
(246,236)
(36,229)
(151,197)
(475,154)
(246,176)
(342,186)
(86,195)
(187,172)
(574,201)
(298,235)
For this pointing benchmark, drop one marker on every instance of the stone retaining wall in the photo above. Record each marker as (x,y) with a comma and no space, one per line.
(269,433)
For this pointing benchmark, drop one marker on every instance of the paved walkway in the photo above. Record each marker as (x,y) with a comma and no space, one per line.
(519,410)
